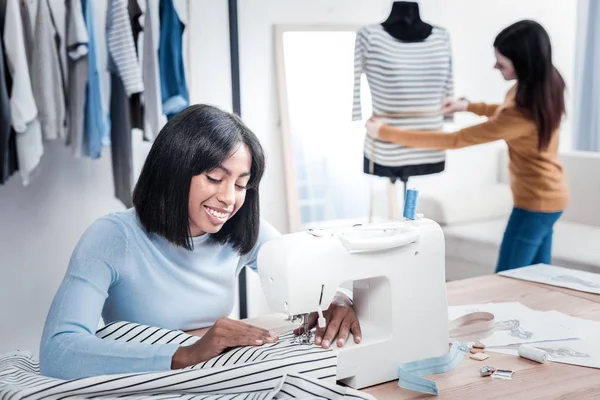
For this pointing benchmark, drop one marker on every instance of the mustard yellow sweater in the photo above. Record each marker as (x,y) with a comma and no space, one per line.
(537,178)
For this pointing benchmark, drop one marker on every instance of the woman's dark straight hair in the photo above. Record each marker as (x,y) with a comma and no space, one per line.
(540,89)
(198,139)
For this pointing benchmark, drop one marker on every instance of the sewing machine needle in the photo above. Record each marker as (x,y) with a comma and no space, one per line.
(306,332)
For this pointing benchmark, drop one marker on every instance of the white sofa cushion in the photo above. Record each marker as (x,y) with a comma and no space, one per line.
(472,249)
(575,245)
(583,170)
(464,205)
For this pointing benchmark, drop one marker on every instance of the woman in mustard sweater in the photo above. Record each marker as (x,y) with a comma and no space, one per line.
(528,121)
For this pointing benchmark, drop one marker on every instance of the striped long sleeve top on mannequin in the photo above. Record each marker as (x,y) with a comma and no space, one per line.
(409,78)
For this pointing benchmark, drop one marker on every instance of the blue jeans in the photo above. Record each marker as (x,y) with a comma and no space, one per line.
(527,239)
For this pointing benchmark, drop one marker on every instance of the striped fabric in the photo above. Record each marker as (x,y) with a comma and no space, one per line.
(119,39)
(403,78)
(281,370)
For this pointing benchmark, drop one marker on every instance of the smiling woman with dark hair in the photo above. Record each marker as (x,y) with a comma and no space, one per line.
(175,169)
(172,260)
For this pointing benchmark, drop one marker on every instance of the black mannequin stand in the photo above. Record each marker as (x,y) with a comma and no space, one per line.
(404,22)
(395,174)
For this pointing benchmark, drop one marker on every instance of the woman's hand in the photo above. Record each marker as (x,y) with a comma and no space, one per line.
(450,106)
(225,333)
(341,320)
(373,126)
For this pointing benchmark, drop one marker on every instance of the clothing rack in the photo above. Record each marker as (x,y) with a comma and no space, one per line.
(123,176)
(75,107)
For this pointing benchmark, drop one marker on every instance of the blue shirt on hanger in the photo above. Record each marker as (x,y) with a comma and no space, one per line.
(170,57)
(97,120)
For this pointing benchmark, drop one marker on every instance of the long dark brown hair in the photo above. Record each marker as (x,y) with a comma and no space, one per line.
(540,89)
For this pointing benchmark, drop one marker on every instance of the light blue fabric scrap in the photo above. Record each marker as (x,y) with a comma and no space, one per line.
(410,374)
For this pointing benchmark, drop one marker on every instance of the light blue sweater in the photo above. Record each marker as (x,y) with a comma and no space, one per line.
(121,273)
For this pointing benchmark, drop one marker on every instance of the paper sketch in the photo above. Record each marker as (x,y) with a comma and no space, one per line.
(574,279)
(561,352)
(584,351)
(515,324)
(581,328)
(557,276)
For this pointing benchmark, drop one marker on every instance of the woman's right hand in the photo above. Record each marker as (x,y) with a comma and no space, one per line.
(224,334)
(450,105)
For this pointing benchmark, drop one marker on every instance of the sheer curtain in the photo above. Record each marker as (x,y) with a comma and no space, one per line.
(587,72)
(327,145)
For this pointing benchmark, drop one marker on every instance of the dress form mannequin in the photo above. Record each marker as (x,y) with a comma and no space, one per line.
(408,66)
(404,23)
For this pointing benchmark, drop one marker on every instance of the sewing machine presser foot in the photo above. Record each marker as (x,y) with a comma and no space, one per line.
(306,337)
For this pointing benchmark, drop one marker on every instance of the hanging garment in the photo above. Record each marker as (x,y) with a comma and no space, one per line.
(28,138)
(5,128)
(135,103)
(60,15)
(77,51)
(120,138)
(150,74)
(9,156)
(28,24)
(6,131)
(408,82)
(281,370)
(126,81)
(173,85)
(96,119)
(121,47)
(46,73)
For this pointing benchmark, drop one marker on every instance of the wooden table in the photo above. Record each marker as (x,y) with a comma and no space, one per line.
(531,380)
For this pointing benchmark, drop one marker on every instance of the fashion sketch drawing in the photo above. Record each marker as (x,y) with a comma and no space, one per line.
(514,326)
(563,352)
(574,279)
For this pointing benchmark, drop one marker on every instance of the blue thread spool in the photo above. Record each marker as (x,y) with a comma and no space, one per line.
(410,203)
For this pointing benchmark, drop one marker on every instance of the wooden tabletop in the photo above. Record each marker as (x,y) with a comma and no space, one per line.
(530,380)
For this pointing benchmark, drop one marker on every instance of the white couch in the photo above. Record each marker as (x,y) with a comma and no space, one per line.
(474,218)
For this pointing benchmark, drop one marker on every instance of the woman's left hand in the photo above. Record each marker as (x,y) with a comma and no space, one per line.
(341,321)
(373,126)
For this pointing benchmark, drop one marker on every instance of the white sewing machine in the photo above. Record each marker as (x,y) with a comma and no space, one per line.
(399,290)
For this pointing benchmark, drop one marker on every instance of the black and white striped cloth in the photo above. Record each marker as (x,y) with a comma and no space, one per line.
(403,78)
(282,370)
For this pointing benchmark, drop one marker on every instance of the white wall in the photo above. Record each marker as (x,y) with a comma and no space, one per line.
(473,35)
(39,227)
